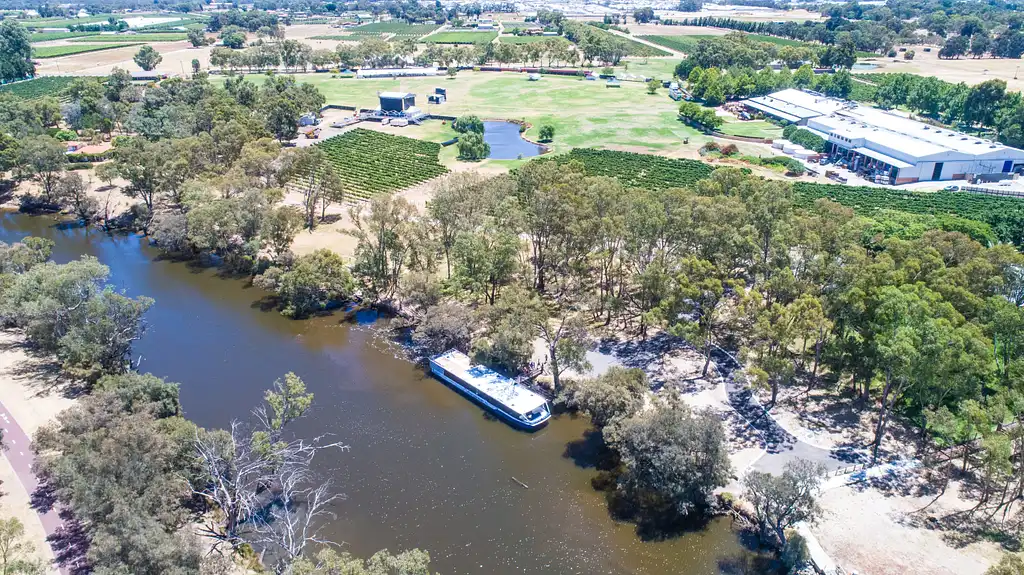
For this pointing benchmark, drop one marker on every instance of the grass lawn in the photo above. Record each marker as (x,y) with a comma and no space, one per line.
(584,114)
(398,28)
(527,39)
(48,36)
(63,22)
(752,128)
(57,51)
(660,68)
(678,43)
(461,38)
(136,38)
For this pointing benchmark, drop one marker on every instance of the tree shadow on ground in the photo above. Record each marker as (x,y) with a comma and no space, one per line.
(43,499)
(649,355)
(70,544)
(41,373)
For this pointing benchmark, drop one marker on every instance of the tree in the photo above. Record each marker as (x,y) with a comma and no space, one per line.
(315,282)
(547,133)
(280,226)
(701,295)
(314,174)
(782,501)
(652,85)
(17,556)
(614,395)
(147,58)
(45,159)
(16,56)
(468,124)
(954,47)
(117,459)
(282,118)
(195,66)
(566,343)
(382,233)
(443,327)
(673,459)
(1009,564)
(330,562)
(237,465)
(73,194)
(473,147)
(197,38)
(983,102)
(458,203)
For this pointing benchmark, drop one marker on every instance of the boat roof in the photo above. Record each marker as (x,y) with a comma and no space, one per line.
(485,379)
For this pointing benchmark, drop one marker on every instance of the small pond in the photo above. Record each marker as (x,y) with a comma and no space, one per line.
(507,143)
(864,66)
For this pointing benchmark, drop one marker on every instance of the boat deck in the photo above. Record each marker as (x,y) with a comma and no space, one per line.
(496,386)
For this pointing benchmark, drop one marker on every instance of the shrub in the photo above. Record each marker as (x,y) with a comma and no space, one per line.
(65,135)
(908,55)
(729,150)
(807,139)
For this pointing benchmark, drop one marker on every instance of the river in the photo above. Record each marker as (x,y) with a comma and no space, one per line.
(426,467)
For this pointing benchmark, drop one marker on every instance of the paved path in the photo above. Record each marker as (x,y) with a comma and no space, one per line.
(19,454)
(780,445)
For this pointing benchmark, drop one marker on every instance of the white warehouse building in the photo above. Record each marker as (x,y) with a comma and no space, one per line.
(876,141)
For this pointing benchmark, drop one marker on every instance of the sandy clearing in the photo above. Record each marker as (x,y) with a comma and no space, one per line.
(872,532)
(177,59)
(29,386)
(969,70)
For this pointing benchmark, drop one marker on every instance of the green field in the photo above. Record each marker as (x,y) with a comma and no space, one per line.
(584,114)
(678,43)
(752,128)
(371,162)
(527,39)
(38,87)
(57,51)
(510,26)
(63,22)
(136,38)
(36,37)
(461,37)
(396,28)
(639,170)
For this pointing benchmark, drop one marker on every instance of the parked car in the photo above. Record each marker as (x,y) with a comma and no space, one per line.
(951,189)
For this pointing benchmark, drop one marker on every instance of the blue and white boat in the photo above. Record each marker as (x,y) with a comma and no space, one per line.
(503,396)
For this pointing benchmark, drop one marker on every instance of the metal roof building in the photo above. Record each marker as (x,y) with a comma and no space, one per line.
(888,144)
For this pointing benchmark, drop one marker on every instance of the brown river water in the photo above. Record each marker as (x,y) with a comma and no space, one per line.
(426,468)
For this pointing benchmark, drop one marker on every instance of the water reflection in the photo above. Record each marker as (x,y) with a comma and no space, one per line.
(427,468)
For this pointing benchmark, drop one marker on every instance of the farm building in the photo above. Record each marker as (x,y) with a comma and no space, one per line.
(889,144)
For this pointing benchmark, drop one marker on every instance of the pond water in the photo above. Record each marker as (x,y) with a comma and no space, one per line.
(507,143)
(864,66)
(426,468)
